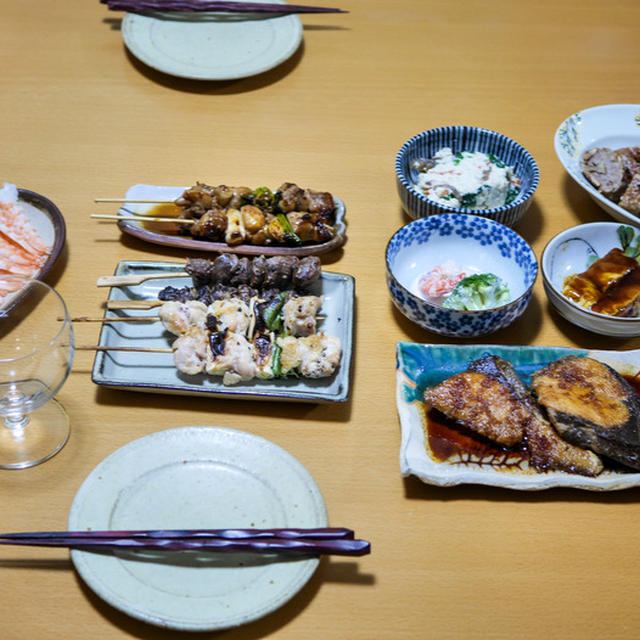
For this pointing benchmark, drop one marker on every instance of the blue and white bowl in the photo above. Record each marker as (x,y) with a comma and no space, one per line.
(476,245)
(461,138)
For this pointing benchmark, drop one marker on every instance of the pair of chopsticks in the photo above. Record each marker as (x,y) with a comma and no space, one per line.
(145,6)
(336,541)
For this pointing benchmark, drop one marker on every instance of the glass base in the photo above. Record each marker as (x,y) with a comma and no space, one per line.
(46,432)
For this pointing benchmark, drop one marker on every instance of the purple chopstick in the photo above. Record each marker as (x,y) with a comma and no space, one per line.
(323,533)
(145,6)
(339,546)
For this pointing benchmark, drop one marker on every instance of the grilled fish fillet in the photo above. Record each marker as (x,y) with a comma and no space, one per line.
(592,406)
(547,449)
(481,403)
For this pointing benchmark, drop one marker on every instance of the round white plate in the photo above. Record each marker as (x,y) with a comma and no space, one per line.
(192,478)
(609,125)
(212,46)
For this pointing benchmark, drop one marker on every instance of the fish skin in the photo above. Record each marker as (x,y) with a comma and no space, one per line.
(547,449)
(591,405)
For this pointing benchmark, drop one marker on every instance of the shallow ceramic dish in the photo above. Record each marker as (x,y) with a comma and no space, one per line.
(476,245)
(147,191)
(570,252)
(48,222)
(196,478)
(155,372)
(212,46)
(423,365)
(460,138)
(611,125)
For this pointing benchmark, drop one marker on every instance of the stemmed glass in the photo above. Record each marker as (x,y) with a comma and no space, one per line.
(36,352)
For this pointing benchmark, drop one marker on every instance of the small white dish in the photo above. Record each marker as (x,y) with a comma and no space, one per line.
(156,373)
(569,253)
(196,478)
(215,46)
(611,125)
(423,365)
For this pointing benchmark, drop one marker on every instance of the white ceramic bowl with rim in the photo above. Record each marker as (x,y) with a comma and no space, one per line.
(610,125)
(476,245)
(568,253)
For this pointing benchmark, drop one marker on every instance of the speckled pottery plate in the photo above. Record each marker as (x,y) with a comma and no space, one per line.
(212,46)
(423,365)
(155,372)
(155,236)
(610,125)
(196,478)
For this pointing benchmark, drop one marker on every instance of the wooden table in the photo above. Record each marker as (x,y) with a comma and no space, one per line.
(81,118)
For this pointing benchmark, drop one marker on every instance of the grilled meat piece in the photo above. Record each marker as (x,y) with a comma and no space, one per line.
(592,406)
(546,448)
(482,403)
(606,171)
(212,225)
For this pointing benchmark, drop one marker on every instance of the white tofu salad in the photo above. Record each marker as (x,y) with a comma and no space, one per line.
(466,179)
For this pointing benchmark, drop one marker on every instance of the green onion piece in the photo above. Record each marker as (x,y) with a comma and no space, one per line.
(288,229)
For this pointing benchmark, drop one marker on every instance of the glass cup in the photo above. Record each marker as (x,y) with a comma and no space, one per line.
(36,352)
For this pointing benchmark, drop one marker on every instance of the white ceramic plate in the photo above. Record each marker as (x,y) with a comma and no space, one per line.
(611,125)
(149,192)
(155,372)
(423,365)
(196,477)
(212,46)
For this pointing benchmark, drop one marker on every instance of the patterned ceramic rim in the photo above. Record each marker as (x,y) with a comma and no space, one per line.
(477,138)
(472,220)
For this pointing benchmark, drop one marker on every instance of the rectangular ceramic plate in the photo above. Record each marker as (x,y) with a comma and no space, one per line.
(422,365)
(155,372)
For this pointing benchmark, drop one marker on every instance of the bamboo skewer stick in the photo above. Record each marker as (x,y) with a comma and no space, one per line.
(119,281)
(138,200)
(133,304)
(135,349)
(143,218)
(119,319)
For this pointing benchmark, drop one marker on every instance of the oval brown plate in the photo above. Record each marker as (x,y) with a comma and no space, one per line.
(48,222)
(185,242)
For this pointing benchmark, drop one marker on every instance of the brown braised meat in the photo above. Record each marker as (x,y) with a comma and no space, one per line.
(592,406)
(611,285)
(630,199)
(606,171)
(546,448)
(630,157)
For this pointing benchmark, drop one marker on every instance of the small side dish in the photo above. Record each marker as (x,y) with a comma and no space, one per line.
(518,417)
(599,149)
(466,179)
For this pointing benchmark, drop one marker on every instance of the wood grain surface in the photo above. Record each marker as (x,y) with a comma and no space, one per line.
(81,118)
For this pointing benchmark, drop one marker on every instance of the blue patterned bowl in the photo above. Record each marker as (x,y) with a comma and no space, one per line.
(459,138)
(476,245)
